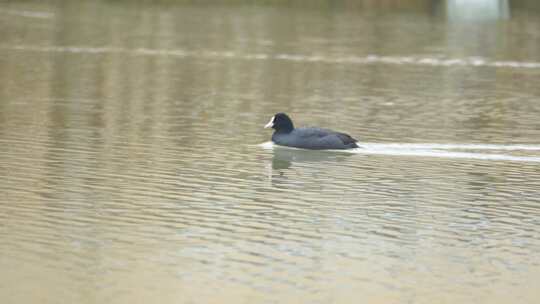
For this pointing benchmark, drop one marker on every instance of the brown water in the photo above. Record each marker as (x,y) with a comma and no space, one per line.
(133,171)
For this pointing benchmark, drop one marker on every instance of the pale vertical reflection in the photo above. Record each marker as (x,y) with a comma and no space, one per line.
(477,9)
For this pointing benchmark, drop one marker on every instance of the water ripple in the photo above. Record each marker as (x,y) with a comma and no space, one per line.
(368,59)
(438,150)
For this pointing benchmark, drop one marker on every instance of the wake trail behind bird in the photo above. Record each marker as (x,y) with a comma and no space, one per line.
(438,150)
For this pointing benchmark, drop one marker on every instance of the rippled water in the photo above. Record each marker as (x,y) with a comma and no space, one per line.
(136,169)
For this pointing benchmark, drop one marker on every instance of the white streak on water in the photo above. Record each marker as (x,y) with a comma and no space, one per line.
(367,59)
(437,150)
(415,146)
(446,154)
(28,14)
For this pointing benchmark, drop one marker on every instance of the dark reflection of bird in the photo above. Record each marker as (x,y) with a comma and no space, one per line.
(284,157)
(307,138)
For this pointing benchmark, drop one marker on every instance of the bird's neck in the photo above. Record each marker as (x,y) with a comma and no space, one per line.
(284,130)
(285,127)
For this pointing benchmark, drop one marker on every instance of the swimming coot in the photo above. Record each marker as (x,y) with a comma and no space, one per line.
(307,138)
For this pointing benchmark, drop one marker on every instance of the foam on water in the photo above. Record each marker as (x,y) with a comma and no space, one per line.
(28,14)
(473,61)
(438,150)
(417,146)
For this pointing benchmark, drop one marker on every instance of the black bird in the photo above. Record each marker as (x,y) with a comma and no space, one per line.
(307,138)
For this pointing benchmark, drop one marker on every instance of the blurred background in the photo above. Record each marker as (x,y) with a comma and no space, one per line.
(132,172)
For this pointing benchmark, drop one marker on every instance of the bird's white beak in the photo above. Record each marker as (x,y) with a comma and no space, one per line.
(270,123)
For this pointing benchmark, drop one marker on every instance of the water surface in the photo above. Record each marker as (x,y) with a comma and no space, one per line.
(133,171)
